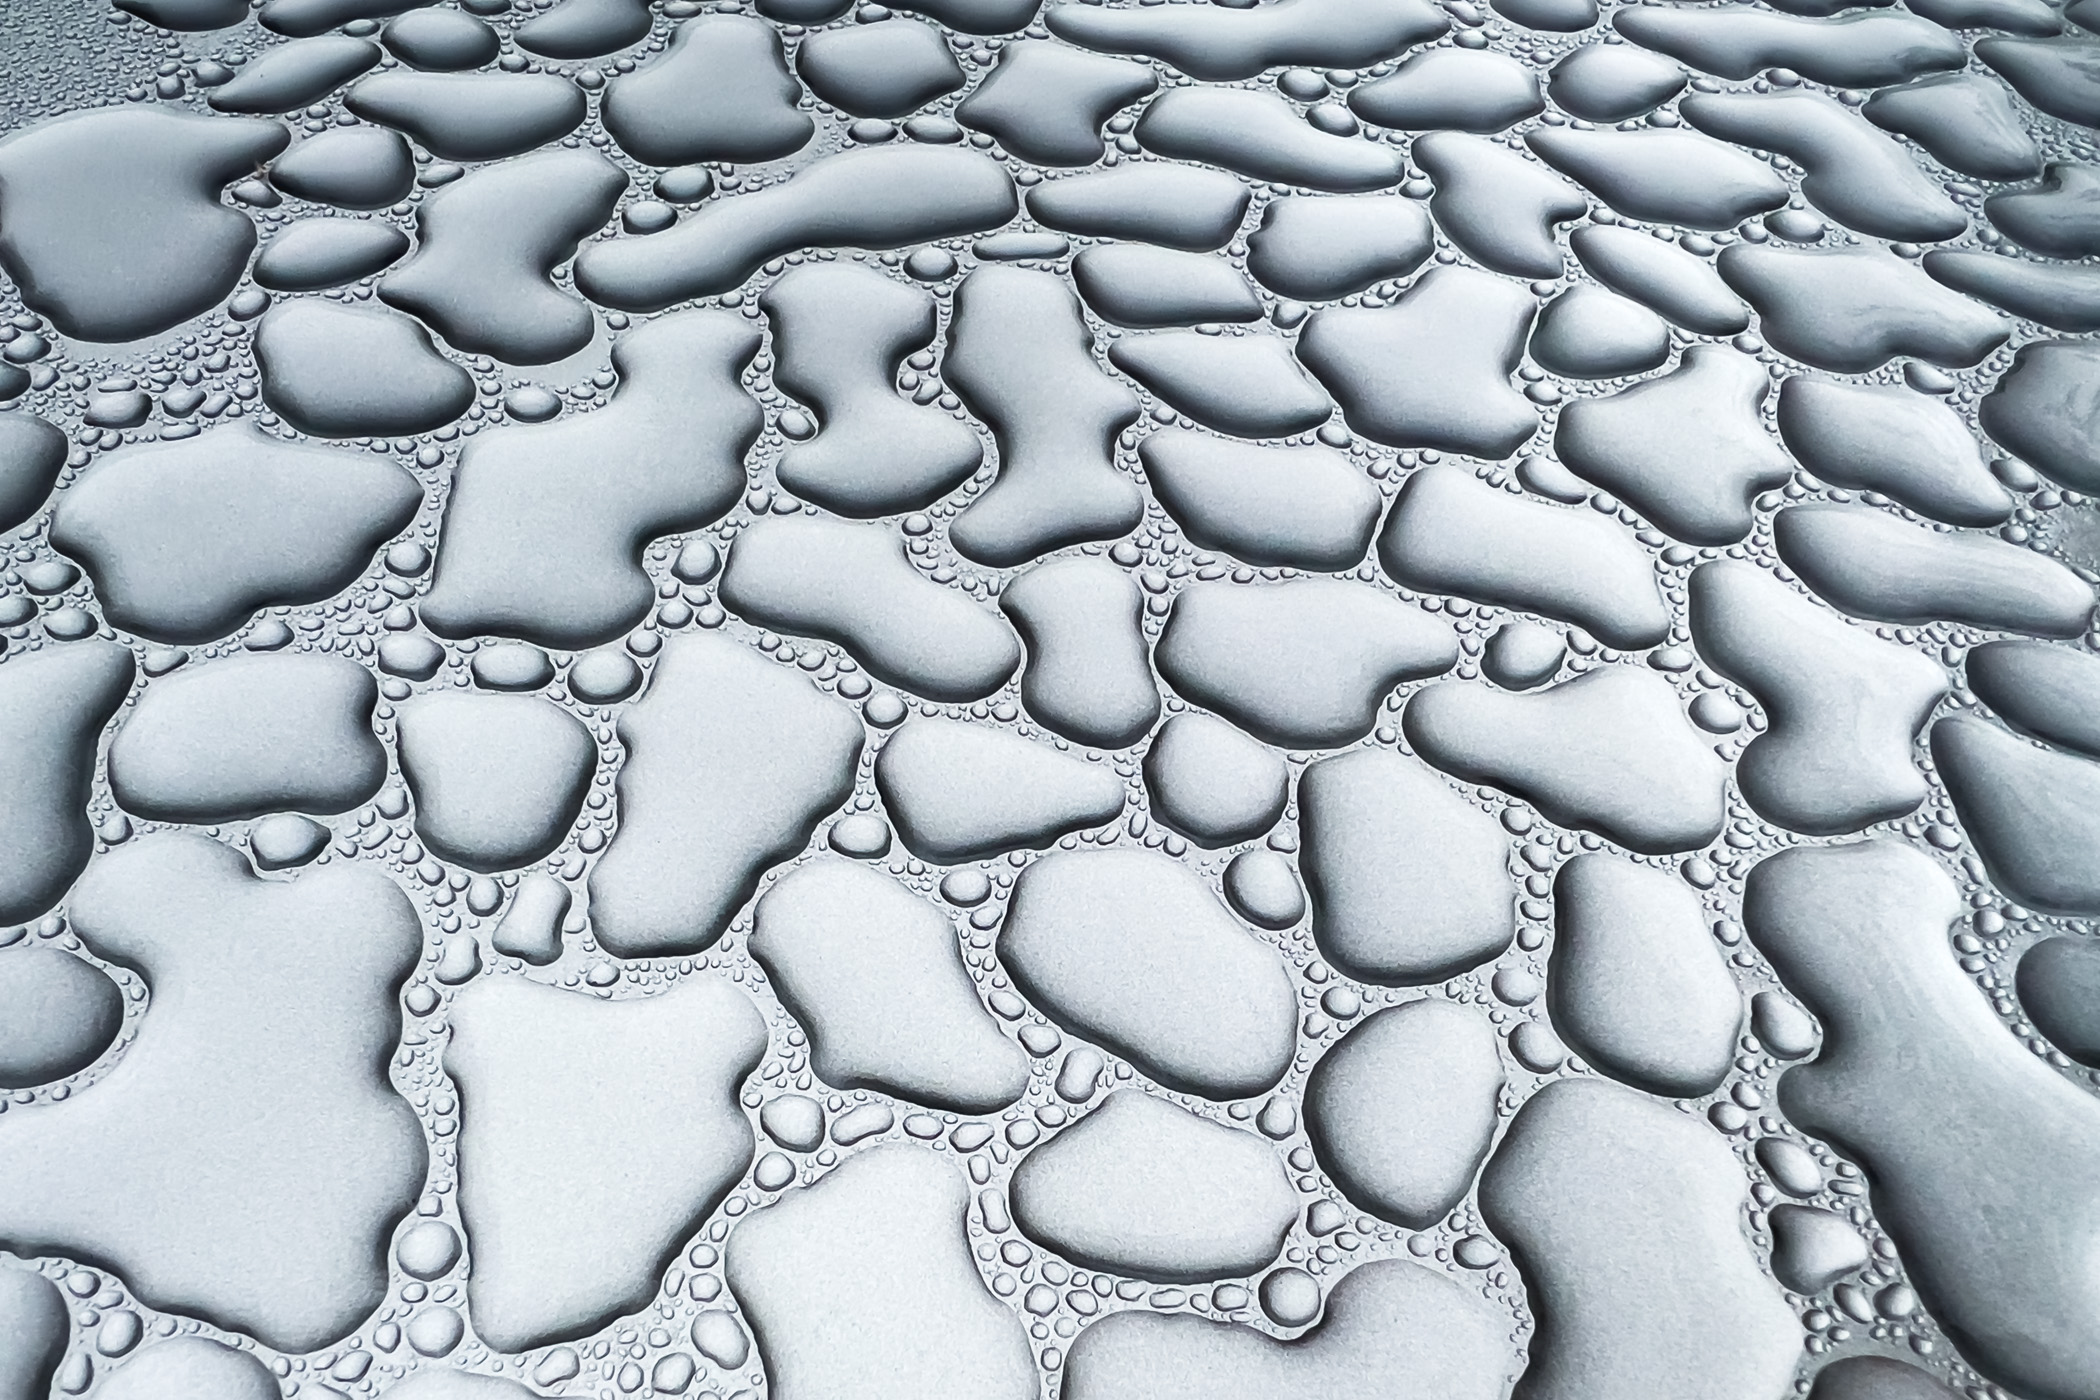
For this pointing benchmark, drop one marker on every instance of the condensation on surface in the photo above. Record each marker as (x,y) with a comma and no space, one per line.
(1013,699)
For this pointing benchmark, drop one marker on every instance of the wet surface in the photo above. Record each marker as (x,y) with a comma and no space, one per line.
(1108,700)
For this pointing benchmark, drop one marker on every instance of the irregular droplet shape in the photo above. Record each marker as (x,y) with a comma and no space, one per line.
(1984,1183)
(1133,951)
(498,780)
(1851,310)
(1315,248)
(334,371)
(33,1331)
(2051,692)
(2061,78)
(1625,1218)
(1225,45)
(1963,120)
(490,244)
(706,810)
(854,585)
(874,975)
(1045,102)
(876,197)
(1432,369)
(577,29)
(1589,333)
(1674,284)
(579,496)
(878,70)
(2029,812)
(1246,385)
(2058,979)
(1391,1327)
(1665,175)
(1141,287)
(471,116)
(962,792)
(594,1137)
(1844,706)
(186,540)
(1875,437)
(1449,532)
(1871,564)
(1021,357)
(246,1160)
(1635,983)
(290,76)
(441,41)
(1459,89)
(1494,204)
(58,1013)
(1302,664)
(352,167)
(54,703)
(2046,409)
(110,219)
(1410,883)
(721,91)
(1212,783)
(1259,136)
(1877,1378)
(840,333)
(233,739)
(191,1366)
(1737,41)
(1610,751)
(1299,507)
(1603,82)
(876,1250)
(1178,206)
(32,451)
(1088,676)
(1688,450)
(1855,174)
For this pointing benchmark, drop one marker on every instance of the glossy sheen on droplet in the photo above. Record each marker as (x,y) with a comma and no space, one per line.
(1844,706)
(885,197)
(211,1139)
(841,332)
(113,225)
(232,739)
(578,495)
(497,780)
(962,792)
(873,973)
(1609,751)
(554,1085)
(1144,1188)
(1859,933)
(186,540)
(54,703)
(1409,883)
(1624,1215)
(878,1247)
(1402,1109)
(58,1013)
(1302,664)
(854,584)
(704,811)
(1451,533)
(1132,950)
